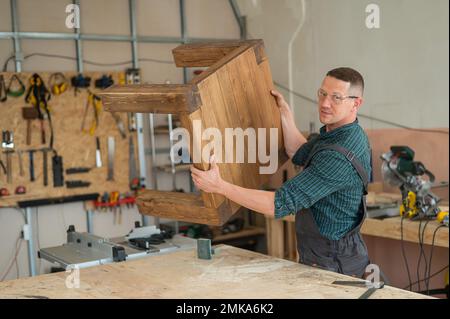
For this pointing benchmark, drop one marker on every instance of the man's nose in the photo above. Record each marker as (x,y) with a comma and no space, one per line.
(325,103)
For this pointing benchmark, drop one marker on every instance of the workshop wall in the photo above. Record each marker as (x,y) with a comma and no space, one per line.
(154,18)
(405,61)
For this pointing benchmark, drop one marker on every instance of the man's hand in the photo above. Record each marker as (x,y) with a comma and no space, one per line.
(292,137)
(208,181)
(281,102)
(211,182)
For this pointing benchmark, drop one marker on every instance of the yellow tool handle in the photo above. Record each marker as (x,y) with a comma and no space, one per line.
(441,215)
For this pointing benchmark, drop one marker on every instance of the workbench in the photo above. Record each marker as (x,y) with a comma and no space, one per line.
(232,273)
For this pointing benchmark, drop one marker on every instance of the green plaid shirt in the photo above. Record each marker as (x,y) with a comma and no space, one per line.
(330,187)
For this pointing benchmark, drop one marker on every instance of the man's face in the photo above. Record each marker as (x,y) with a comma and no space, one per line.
(335,112)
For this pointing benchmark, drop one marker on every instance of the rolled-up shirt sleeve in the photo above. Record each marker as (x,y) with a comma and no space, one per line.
(327,173)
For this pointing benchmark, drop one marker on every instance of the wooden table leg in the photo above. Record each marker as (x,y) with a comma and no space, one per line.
(291,241)
(275,237)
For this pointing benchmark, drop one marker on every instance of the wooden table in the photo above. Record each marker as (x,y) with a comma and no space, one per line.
(232,273)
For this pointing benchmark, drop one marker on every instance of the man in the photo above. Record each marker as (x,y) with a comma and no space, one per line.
(328,195)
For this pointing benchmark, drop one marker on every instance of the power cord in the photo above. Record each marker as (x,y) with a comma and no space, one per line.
(429,277)
(422,252)
(427,282)
(18,245)
(404,253)
(66,57)
(38,237)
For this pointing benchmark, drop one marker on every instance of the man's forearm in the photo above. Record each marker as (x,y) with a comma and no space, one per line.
(292,137)
(256,200)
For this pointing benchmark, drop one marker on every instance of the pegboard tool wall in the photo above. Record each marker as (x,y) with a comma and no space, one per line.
(76,147)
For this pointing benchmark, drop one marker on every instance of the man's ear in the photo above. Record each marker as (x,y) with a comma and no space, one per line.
(357,104)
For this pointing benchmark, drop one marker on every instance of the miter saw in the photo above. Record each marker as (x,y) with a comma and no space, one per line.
(400,169)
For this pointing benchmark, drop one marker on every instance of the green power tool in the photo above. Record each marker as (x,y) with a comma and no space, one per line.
(400,169)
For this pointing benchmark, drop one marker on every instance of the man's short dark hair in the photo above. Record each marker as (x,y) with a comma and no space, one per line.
(348,75)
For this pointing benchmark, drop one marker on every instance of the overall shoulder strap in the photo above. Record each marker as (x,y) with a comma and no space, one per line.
(348,155)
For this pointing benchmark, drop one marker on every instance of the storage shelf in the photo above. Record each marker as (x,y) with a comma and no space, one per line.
(246,232)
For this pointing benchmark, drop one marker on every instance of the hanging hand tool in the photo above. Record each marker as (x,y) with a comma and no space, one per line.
(8,166)
(111,146)
(96,103)
(3,166)
(31,161)
(119,203)
(21,171)
(86,109)
(38,96)
(77,170)
(104,201)
(57,168)
(113,201)
(132,166)
(45,164)
(3,89)
(7,140)
(98,154)
(15,92)
(29,114)
(119,124)
(77,183)
(8,146)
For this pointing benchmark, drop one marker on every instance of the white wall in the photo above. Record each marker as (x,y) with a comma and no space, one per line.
(154,18)
(404,62)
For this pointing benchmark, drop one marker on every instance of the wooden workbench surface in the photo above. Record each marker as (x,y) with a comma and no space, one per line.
(232,273)
(391,228)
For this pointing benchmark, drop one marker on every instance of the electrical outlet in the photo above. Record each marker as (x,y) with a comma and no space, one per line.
(26,232)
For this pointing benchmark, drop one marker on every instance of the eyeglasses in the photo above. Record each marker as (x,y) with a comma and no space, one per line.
(335,98)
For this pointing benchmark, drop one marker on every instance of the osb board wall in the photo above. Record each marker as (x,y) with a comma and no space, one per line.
(430,148)
(76,148)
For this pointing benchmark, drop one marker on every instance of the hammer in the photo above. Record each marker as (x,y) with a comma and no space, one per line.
(29,113)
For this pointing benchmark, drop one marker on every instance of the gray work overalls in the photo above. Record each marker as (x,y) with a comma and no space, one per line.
(347,255)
